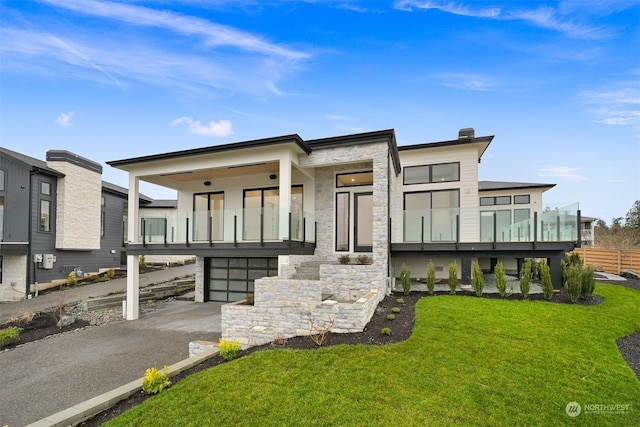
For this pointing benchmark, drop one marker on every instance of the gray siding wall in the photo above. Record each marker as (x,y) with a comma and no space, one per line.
(16,200)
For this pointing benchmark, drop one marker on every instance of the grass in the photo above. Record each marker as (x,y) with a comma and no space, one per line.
(470,361)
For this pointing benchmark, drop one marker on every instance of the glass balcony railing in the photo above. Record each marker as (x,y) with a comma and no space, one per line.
(495,224)
(230,225)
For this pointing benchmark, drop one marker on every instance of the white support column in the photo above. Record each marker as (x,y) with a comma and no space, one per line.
(133,266)
(285,195)
(133,288)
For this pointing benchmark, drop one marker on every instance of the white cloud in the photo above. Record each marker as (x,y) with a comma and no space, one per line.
(64,119)
(566,172)
(618,105)
(213,128)
(544,17)
(466,81)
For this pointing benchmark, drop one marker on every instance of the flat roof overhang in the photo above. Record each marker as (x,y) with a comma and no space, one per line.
(14,248)
(244,249)
(484,249)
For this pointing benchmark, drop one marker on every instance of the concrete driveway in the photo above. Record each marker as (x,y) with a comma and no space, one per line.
(47,376)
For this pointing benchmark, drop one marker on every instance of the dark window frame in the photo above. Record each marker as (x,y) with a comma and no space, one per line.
(429,179)
(3,179)
(353,173)
(348,224)
(518,197)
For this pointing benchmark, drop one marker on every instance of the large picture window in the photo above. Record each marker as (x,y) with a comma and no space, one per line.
(430,216)
(428,174)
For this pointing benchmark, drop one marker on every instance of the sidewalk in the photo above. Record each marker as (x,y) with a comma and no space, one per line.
(52,299)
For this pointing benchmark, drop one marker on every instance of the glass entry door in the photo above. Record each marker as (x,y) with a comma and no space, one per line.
(364,222)
(208,209)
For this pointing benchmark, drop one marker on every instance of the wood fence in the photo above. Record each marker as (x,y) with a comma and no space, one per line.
(610,260)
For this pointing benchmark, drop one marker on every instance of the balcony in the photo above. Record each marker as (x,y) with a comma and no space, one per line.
(256,231)
(490,228)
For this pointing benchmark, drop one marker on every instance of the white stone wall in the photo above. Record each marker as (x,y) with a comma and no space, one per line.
(199,288)
(78,209)
(287,308)
(14,269)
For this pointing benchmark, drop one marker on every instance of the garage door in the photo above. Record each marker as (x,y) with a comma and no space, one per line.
(230,279)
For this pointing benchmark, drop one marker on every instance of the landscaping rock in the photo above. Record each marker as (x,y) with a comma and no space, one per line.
(66,321)
(630,274)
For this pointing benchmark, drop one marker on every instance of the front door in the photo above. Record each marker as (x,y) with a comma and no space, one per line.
(363,207)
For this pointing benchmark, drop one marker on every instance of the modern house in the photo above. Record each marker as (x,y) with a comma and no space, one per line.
(272,216)
(57,217)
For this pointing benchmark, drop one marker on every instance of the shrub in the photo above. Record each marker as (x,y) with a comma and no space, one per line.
(572,282)
(395,310)
(250,297)
(569,260)
(587,282)
(229,349)
(525,279)
(110,273)
(477,278)
(9,335)
(400,301)
(405,278)
(501,279)
(453,277)
(155,381)
(386,331)
(363,259)
(391,317)
(142,262)
(344,259)
(71,279)
(535,268)
(431,277)
(545,278)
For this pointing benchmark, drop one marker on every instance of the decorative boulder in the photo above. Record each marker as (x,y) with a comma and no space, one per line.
(66,321)
(630,274)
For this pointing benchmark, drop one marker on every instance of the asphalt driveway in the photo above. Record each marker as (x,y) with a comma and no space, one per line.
(47,376)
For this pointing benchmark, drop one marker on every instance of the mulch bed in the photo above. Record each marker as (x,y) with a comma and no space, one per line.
(401,327)
(42,325)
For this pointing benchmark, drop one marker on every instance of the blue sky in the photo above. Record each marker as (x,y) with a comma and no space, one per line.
(556,82)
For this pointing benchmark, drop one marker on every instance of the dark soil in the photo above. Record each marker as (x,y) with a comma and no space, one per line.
(42,325)
(401,328)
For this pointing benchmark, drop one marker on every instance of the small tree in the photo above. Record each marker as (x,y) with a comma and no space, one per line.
(477,278)
(142,262)
(431,277)
(587,281)
(405,278)
(572,282)
(525,279)
(453,277)
(545,278)
(501,279)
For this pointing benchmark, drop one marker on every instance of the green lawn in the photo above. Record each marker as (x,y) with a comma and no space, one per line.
(470,361)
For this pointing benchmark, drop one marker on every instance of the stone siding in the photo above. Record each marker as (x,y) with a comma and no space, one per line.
(13,268)
(199,277)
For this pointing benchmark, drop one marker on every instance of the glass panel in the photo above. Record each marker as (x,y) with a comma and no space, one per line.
(218,273)
(354,179)
(258,262)
(218,296)
(503,200)
(486,226)
(218,285)
(364,218)
(252,212)
(237,274)
(522,199)
(238,286)
(154,229)
(443,217)
(200,217)
(45,188)
(257,274)
(1,218)
(271,213)
(297,221)
(487,201)
(237,263)
(273,263)
(218,262)
(342,222)
(521,225)
(416,175)
(417,212)
(45,215)
(503,222)
(216,207)
(236,296)
(2,179)
(445,172)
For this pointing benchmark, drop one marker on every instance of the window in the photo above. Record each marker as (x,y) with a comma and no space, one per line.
(493,201)
(522,199)
(354,179)
(45,215)
(430,216)
(125,222)
(1,220)
(45,188)
(426,174)
(262,213)
(102,219)
(208,211)
(342,222)
(2,179)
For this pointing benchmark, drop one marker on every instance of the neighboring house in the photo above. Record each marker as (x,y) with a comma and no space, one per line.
(272,217)
(588,231)
(56,217)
